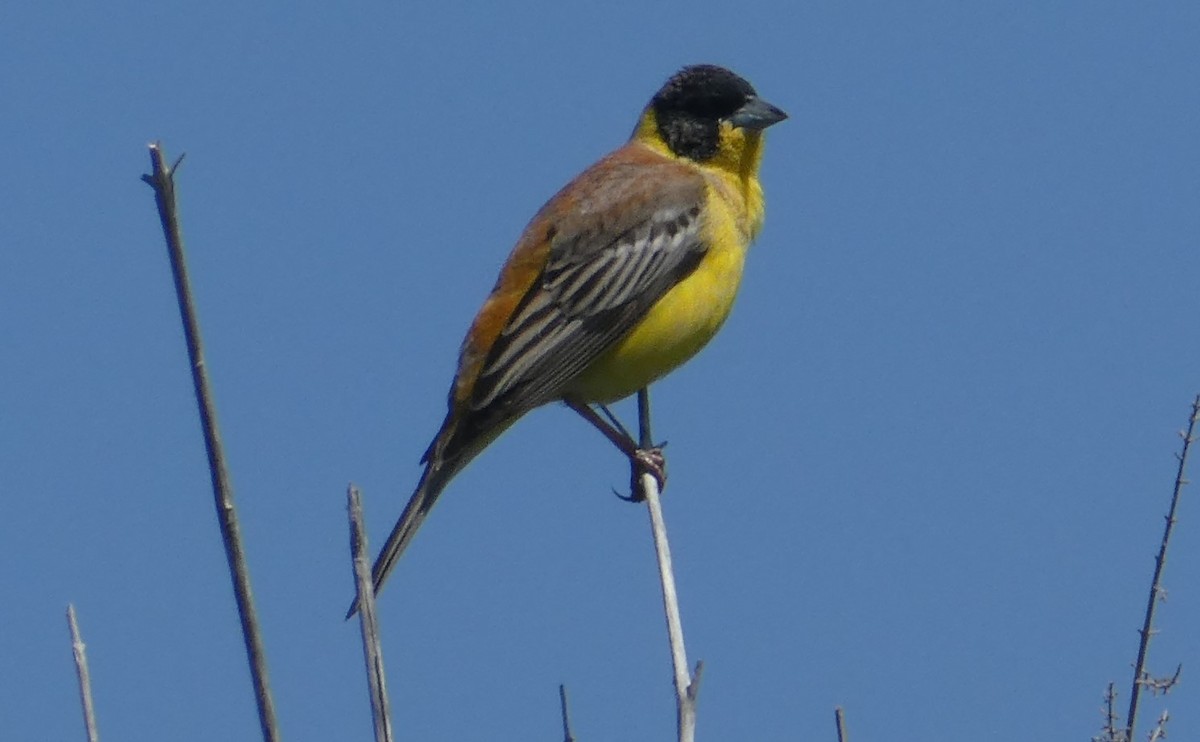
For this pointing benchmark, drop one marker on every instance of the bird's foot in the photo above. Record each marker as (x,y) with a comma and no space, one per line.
(645,461)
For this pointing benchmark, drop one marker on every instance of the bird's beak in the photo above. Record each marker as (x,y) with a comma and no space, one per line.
(756,114)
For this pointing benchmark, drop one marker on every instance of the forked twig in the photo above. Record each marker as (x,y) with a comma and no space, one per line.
(162,180)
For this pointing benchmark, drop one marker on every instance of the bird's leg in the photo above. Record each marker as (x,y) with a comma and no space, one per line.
(645,459)
(649,457)
(645,443)
(616,421)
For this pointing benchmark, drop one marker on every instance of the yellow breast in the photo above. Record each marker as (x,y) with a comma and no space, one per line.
(692,312)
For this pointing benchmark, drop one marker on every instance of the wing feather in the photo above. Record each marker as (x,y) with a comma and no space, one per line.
(605,271)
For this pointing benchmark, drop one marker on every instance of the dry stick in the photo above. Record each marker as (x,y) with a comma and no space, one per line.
(85,678)
(365,601)
(1139,667)
(686,686)
(840,719)
(1160,727)
(162,180)
(1110,714)
(562,700)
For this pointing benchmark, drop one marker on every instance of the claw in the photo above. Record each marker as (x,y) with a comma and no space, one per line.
(642,460)
(625,498)
(645,461)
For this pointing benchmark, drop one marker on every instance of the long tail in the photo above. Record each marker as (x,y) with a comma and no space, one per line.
(433,481)
(446,457)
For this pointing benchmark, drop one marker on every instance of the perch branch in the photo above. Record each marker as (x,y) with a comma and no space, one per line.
(687,685)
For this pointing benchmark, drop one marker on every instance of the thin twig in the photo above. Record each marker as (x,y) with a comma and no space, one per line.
(1109,732)
(839,718)
(566,717)
(162,180)
(85,678)
(1160,727)
(1139,668)
(687,686)
(372,648)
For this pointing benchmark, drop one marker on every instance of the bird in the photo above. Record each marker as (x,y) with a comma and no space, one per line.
(623,275)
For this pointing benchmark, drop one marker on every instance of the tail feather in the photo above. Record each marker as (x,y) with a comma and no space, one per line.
(433,481)
(450,451)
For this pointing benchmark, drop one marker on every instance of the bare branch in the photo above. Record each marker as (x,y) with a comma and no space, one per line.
(1160,727)
(85,679)
(1161,685)
(840,719)
(162,180)
(566,717)
(1140,674)
(687,687)
(1109,732)
(372,648)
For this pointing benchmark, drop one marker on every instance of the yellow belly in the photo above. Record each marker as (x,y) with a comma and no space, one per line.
(681,323)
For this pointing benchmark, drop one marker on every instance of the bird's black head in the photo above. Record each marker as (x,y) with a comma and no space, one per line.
(691,105)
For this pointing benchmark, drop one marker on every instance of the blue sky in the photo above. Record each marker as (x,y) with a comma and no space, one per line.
(921,474)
